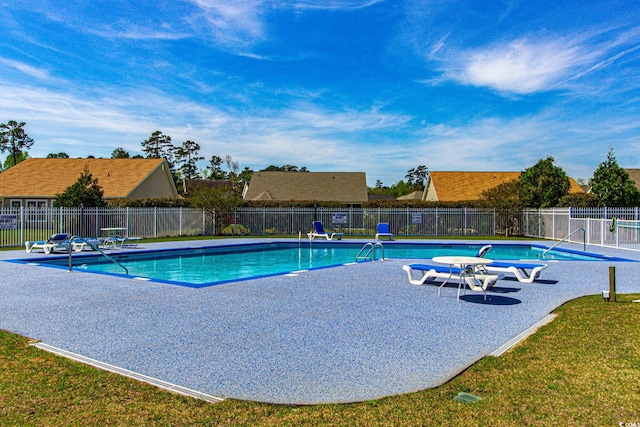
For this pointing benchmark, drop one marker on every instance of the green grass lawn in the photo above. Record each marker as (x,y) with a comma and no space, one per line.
(582,369)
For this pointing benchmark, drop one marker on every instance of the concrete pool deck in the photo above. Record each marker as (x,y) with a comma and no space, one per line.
(344,334)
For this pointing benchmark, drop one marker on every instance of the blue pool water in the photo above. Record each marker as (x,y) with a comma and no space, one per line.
(199,267)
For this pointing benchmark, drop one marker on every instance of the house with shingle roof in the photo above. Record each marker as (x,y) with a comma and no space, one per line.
(634,174)
(35,182)
(414,195)
(345,187)
(466,186)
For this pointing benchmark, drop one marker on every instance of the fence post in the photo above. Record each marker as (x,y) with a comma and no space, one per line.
(22,230)
(539,222)
(602,231)
(464,221)
(495,219)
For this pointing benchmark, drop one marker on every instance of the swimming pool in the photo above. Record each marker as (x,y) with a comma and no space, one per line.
(212,265)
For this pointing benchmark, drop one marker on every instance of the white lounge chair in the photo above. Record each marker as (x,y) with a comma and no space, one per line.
(524,272)
(384,230)
(318,231)
(429,273)
(81,243)
(483,251)
(131,242)
(478,282)
(56,241)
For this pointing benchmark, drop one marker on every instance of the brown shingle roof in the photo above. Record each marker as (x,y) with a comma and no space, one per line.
(462,186)
(47,177)
(346,187)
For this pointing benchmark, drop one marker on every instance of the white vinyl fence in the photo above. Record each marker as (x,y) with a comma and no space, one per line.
(606,227)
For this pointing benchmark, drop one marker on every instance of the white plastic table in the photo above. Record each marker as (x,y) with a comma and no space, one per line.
(463,263)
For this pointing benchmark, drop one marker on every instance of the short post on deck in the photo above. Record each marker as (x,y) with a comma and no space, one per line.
(612,284)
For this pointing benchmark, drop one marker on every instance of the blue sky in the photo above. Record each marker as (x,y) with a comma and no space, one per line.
(335,85)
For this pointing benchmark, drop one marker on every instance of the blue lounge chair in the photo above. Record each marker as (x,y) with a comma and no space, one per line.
(524,272)
(384,230)
(56,241)
(318,231)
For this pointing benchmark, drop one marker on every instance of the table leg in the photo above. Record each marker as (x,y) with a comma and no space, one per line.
(445,282)
(462,282)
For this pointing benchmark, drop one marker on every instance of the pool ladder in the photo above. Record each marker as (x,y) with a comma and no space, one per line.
(95,248)
(584,241)
(368,249)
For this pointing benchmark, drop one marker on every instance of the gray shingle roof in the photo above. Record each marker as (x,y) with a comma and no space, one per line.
(346,187)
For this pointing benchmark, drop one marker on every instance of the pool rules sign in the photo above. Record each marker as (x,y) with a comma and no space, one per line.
(8,222)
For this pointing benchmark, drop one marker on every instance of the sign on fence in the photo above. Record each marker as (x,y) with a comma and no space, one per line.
(416,218)
(8,222)
(339,218)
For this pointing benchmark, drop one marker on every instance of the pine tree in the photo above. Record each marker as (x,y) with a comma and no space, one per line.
(85,192)
(612,185)
(14,139)
(543,184)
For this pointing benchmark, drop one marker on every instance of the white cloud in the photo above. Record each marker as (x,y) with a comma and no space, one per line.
(26,69)
(95,123)
(239,24)
(233,22)
(523,66)
(602,64)
(336,4)
(135,32)
(384,145)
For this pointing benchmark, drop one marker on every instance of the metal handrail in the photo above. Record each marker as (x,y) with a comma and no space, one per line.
(95,248)
(372,248)
(584,240)
(367,245)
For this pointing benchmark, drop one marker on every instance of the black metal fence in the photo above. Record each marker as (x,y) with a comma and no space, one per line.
(611,227)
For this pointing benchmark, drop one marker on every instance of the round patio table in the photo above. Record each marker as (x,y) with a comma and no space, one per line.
(463,263)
